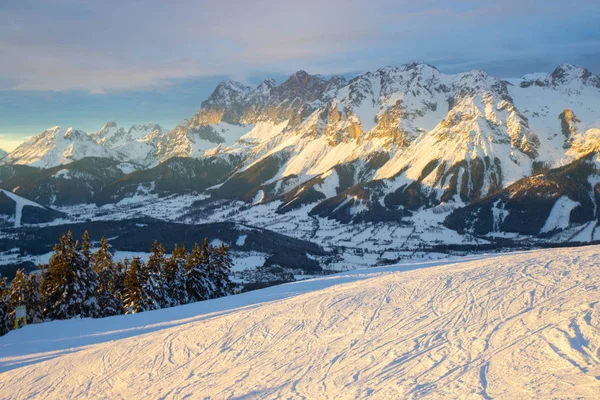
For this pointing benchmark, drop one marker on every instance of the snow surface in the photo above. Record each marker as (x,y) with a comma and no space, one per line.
(560,214)
(20,203)
(513,326)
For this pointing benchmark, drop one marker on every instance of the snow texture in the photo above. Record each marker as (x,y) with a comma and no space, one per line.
(513,326)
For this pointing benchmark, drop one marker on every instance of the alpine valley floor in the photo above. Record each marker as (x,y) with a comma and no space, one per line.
(523,325)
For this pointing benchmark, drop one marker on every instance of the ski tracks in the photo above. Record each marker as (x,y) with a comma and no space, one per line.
(523,325)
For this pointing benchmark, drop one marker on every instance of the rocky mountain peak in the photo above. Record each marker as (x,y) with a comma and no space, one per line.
(228,92)
(566,73)
(108,131)
(563,75)
(266,86)
(417,65)
(109,124)
(76,134)
(302,79)
(479,82)
(144,129)
(302,85)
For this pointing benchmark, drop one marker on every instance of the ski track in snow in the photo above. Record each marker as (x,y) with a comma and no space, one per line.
(524,325)
(20,203)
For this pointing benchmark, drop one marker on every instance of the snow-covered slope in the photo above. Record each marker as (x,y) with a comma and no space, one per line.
(15,211)
(139,144)
(514,326)
(114,137)
(404,137)
(3,154)
(57,146)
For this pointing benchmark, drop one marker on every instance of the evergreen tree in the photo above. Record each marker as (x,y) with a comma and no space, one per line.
(207,262)
(176,277)
(154,284)
(54,284)
(220,269)
(25,291)
(87,279)
(5,318)
(85,249)
(69,283)
(139,288)
(133,301)
(17,295)
(35,299)
(109,288)
(197,275)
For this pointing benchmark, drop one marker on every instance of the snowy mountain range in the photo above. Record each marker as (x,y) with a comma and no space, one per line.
(380,147)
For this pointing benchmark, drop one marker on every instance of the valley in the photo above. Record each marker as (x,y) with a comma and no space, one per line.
(403,163)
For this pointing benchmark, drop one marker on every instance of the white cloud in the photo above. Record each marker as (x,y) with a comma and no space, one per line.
(108,45)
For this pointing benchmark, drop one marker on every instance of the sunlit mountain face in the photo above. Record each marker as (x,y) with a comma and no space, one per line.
(383,146)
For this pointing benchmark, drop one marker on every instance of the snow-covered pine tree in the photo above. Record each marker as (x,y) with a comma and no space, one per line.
(87,279)
(139,288)
(154,284)
(120,271)
(197,275)
(85,249)
(35,299)
(132,287)
(17,293)
(221,268)
(55,282)
(211,275)
(5,319)
(25,291)
(69,283)
(176,276)
(108,292)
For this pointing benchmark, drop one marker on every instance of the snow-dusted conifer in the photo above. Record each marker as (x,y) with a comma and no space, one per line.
(35,299)
(5,318)
(17,295)
(221,268)
(176,276)
(133,296)
(25,291)
(108,292)
(197,275)
(154,284)
(87,279)
(69,282)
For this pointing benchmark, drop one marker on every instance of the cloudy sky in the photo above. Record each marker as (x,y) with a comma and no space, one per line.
(83,62)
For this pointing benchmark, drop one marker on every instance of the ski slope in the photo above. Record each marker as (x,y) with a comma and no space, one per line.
(20,203)
(524,325)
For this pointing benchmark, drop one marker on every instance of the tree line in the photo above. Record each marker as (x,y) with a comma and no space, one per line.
(79,283)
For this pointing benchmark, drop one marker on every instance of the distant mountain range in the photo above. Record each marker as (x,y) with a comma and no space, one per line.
(488,155)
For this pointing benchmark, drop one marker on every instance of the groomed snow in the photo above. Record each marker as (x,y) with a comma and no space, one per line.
(523,325)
